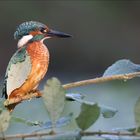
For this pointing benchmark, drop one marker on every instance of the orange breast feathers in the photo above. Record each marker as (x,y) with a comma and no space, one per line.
(40,60)
(39,56)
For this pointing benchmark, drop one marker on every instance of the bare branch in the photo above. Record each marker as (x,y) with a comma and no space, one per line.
(26,135)
(110,133)
(11,103)
(101,80)
(74,134)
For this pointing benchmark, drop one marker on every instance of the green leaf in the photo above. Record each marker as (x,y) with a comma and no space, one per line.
(61,122)
(44,125)
(73,96)
(88,115)
(123,66)
(54,99)
(130,129)
(27,122)
(4,120)
(137,112)
(134,129)
(107,112)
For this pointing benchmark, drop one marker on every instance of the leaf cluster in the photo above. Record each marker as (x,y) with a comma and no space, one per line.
(55,96)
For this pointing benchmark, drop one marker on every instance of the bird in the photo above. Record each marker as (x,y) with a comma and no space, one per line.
(29,64)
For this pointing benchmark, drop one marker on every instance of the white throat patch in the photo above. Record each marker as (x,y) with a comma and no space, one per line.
(24,40)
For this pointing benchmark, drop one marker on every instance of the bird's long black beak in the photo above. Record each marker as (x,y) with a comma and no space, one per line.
(53,33)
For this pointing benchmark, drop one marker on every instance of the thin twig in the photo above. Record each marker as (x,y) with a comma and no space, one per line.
(101,80)
(27,135)
(110,133)
(82,133)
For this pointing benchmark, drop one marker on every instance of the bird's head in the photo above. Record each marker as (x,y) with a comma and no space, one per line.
(33,31)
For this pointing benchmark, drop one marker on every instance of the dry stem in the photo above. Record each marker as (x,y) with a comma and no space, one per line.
(11,102)
(82,133)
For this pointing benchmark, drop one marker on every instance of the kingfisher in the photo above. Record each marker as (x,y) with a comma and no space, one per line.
(28,66)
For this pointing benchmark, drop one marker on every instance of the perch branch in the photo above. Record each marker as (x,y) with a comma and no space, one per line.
(101,80)
(10,102)
(82,133)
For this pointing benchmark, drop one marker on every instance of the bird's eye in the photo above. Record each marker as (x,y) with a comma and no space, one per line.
(43,30)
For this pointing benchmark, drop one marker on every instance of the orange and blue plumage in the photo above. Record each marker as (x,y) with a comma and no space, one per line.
(29,64)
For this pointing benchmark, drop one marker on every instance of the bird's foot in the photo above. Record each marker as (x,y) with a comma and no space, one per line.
(37,93)
(10,103)
(16,98)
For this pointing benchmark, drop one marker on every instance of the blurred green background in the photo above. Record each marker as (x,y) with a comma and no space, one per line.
(103,32)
